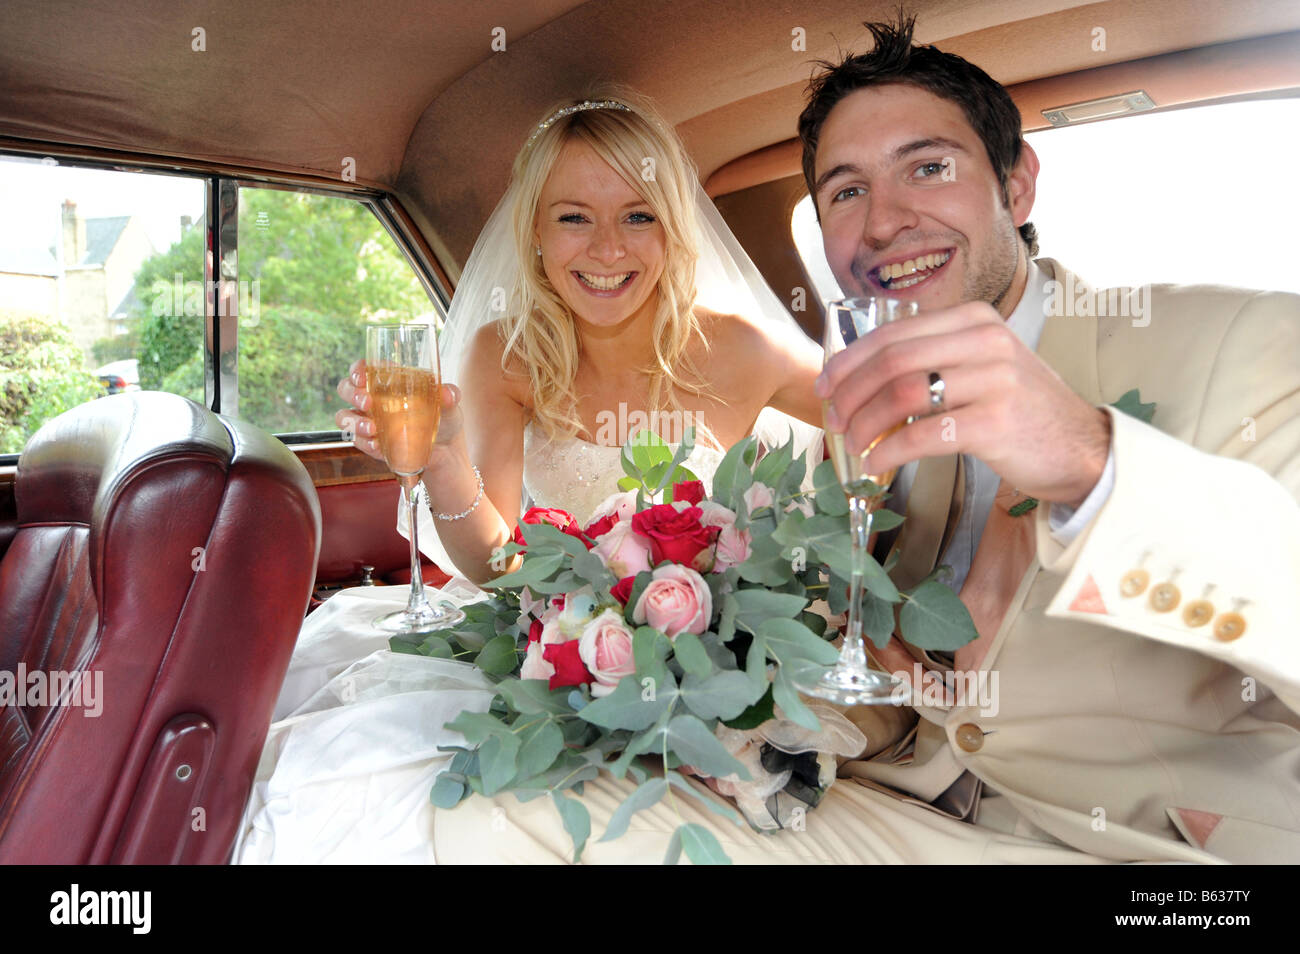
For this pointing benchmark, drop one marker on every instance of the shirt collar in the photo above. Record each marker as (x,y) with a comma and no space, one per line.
(1027,319)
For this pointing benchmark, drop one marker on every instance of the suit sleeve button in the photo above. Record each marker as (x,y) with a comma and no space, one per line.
(1164,597)
(1134,582)
(969,736)
(1228,627)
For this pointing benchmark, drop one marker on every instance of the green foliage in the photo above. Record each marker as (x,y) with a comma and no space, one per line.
(41,376)
(316,269)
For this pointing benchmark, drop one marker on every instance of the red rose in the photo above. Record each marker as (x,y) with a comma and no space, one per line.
(622,590)
(678,536)
(535,631)
(599,528)
(569,668)
(561,519)
(688,491)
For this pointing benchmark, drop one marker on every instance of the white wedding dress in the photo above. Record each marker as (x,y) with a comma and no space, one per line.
(352,752)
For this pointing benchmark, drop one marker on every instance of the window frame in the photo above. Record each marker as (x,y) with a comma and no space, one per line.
(221,332)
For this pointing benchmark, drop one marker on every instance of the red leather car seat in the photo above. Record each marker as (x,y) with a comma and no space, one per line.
(167,555)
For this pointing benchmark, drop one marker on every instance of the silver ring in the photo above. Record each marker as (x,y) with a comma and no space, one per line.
(937,389)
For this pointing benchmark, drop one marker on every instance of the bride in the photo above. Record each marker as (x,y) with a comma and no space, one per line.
(580,310)
(604,289)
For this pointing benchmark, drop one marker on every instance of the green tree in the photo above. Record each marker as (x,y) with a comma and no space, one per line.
(316,269)
(41,376)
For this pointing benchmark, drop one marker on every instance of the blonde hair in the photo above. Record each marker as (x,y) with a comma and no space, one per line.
(540,330)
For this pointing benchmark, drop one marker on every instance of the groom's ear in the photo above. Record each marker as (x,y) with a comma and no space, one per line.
(1021,185)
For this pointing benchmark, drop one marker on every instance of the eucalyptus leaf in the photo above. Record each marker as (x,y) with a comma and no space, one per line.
(829,496)
(771,468)
(539,746)
(702,846)
(753,606)
(884,519)
(674,852)
(448,790)
(535,570)
(649,650)
(690,653)
(715,805)
(787,639)
(722,696)
(934,618)
(733,476)
(786,695)
(644,796)
(577,821)
(497,758)
(499,656)
(478,727)
(877,619)
(766,565)
(756,714)
(693,743)
(532,696)
(591,569)
(627,708)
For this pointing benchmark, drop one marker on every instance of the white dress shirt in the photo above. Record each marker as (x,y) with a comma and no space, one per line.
(982,483)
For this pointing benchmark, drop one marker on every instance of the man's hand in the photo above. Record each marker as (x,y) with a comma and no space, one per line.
(1001,403)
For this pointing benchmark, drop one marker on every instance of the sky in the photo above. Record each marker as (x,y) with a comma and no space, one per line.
(1192,196)
(32,194)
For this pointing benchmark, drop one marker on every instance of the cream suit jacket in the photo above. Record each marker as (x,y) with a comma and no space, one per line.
(1123,731)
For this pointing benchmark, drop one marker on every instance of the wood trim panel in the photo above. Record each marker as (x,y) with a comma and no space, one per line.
(339,463)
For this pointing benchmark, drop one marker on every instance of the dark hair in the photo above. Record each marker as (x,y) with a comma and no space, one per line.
(987,105)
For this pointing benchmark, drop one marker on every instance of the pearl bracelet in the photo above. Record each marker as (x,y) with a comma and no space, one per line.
(478,497)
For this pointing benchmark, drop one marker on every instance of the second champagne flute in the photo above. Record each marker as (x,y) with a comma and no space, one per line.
(850,682)
(405,403)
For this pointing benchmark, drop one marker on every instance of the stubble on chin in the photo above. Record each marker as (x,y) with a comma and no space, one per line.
(992,279)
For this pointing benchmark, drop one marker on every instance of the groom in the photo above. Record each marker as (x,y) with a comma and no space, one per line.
(1139,623)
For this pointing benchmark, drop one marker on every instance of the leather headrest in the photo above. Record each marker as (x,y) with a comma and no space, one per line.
(85,454)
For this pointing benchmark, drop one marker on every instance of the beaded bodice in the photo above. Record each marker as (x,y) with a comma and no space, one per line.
(576,475)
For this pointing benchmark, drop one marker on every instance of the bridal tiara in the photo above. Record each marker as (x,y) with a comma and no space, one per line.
(559,114)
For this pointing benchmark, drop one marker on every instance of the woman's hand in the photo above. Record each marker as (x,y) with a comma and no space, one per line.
(358,426)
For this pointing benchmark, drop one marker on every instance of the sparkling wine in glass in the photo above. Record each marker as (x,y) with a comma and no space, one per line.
(405,403)
(850,682)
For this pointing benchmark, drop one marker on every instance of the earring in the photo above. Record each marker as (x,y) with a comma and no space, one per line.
(539,250)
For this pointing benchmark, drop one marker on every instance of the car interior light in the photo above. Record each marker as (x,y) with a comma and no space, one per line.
(1134,102)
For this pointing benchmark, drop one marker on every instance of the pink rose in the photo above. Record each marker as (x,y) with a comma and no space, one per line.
(733,545)
(535,665)
(605,648)
(677,600)
(624,552)
(621,505)
(759,495)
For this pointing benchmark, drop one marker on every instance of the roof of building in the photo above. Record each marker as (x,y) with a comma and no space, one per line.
(101,235)
(28,261)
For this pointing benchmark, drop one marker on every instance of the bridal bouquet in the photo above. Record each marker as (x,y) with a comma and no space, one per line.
(673,626)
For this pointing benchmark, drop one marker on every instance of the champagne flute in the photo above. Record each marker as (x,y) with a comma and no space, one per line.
(850,682)
(405,388)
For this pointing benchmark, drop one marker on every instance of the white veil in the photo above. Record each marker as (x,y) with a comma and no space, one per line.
(726,281)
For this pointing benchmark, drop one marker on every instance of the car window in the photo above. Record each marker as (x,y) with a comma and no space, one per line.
(314,269)
(102,289)
(1196,195)
(76,286)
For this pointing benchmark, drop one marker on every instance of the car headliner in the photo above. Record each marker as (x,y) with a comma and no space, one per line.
(415,94)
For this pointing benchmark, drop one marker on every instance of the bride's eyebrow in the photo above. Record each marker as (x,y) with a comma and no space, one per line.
(583,205)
